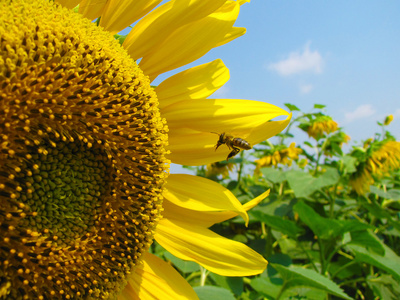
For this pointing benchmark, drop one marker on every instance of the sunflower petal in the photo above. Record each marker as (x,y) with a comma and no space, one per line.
(192,123)
(157,280)
(201,194)
(155,27)
(92,9)
(234,33)
(70,4)
(191,41)
(194,83)
(119,14)
(212,251)
(205,218)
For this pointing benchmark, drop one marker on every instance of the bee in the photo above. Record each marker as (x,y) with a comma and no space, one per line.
(233,143)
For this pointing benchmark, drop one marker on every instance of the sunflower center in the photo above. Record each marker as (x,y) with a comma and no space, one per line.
(65,190)
(82,156)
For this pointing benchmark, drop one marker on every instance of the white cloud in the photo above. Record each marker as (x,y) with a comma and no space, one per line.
(297,62)
(363,111)
(306,88)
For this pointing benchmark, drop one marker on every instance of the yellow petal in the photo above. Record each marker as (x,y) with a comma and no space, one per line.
(92,9)
(195,83)
(119,14)
(69,3)
(234,33)
(191,41)
(205,218)
(192,123)
(201,194)
(156,280)
(212,251)
(155,27)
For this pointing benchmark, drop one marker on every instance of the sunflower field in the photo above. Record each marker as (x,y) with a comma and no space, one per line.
(330,226)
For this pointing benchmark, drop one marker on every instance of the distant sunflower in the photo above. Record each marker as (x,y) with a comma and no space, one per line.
(219,168)
(320,126)
(85,148)
(283,155)
(382,158)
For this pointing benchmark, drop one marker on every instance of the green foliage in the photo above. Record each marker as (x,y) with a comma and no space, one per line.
(324,236)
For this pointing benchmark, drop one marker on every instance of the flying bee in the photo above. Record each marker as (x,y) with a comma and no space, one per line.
(233,143)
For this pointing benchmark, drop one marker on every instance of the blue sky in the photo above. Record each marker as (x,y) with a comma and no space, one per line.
(344,54)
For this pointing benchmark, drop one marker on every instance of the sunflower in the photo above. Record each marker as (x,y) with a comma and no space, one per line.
(85,148)
(219,168)
(320,126)
(381,158)
(283,155)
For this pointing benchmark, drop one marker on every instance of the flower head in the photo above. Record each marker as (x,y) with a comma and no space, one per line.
(381,158)
(82,155)
(320,126)
(84,151)
(283,155)
(388,120)
(219,168)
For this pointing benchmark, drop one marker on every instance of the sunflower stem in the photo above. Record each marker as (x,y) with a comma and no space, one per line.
(203,276)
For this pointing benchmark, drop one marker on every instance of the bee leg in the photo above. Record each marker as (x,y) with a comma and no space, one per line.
(233,152)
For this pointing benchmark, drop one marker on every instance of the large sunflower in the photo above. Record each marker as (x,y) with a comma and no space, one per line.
(84,148)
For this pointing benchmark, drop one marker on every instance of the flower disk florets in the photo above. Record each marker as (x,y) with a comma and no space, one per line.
(82,156)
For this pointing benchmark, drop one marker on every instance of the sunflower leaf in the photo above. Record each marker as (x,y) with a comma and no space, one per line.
(213,293)
(292,107)
(384,286)
(235,284)
(267,286)
(278,223)
(326,228)
(296,276)
(273,175)
(182,265)
(304,185)
(390,261)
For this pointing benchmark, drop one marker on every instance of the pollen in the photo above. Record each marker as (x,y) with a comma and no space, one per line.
(82,156)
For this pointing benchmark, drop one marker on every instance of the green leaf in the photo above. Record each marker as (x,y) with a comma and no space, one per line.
(326,228)
(120,38)
(319,106)
(390,261)
(287,227)
(349,163)
(322,227)
(273,175)
(292,107)
(182,265)
(336,148)
(393,194)
(278,258)
(267,286)
(367,239)
(304,185)
(329,177)
(384,287)
(353,226)
(296,276)
(235,284)
(379,212)
(308,144)
(213,293)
